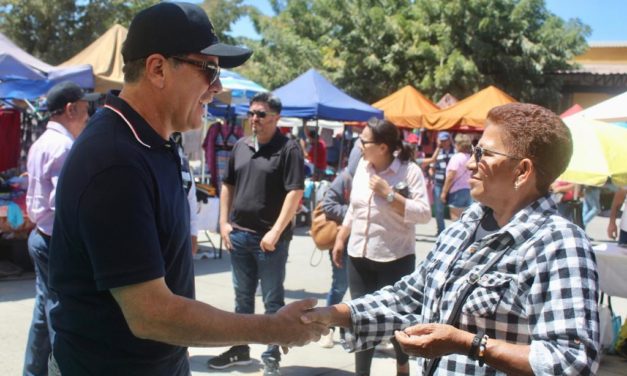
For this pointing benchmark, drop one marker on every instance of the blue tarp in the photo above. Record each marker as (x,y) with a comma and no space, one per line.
(311,96)
(24,76)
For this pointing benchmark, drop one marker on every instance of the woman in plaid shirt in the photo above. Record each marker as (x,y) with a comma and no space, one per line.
(535,310)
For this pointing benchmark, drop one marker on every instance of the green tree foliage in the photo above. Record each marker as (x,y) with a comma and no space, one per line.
(56,30)
(373,47)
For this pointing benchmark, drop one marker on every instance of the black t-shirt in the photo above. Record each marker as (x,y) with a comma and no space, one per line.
(262,179)
(122,218)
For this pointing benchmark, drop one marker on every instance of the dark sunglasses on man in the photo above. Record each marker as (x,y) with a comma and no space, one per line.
(210,70)
(260,114)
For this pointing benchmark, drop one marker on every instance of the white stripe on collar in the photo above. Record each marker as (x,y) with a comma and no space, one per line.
(127,123)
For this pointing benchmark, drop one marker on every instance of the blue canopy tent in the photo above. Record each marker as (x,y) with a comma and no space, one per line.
(311,96)
(23,76)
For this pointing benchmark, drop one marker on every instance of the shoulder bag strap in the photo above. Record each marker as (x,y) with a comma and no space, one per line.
(471,283)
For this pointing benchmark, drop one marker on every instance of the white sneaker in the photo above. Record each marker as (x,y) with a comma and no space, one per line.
(326,341)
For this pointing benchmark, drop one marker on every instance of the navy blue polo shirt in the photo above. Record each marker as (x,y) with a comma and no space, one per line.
(122,218)
(261,180)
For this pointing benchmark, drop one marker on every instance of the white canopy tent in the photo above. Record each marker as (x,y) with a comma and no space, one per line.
(611,110)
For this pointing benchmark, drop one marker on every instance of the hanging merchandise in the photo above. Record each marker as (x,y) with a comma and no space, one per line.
(220,139)
(9,139)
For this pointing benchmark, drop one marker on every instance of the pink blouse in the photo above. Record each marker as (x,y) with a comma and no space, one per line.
(377,231)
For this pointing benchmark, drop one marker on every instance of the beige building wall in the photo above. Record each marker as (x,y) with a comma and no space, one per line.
(586,100)
(602,74)
(599,54)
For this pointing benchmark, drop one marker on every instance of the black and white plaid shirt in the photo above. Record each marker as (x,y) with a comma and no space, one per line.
(543,292)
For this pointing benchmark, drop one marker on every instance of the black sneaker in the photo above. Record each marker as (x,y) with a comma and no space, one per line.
(271,367)
(236,355)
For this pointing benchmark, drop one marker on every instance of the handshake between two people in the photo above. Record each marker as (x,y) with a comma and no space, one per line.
(300,323)
(304,323)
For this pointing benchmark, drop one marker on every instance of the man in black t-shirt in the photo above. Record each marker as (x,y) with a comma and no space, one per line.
(120,255)
(261,191)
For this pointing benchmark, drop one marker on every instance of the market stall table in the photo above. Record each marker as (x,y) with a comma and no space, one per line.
(612,267)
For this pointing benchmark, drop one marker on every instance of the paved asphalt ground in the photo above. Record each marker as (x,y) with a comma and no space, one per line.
(308,275)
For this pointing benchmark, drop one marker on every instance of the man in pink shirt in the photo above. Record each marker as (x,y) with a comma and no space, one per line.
(68,107)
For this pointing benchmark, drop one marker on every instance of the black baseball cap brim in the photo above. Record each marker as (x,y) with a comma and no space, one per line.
(229,56)
(66,92)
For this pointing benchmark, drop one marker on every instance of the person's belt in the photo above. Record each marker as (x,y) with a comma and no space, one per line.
(43,234)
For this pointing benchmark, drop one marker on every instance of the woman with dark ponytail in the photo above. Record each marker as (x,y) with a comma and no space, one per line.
(387,200)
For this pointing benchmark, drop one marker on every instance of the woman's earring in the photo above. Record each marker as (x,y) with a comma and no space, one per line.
(516,185)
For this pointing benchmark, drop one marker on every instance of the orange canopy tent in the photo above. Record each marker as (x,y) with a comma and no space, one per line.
(406,107)
(470,112)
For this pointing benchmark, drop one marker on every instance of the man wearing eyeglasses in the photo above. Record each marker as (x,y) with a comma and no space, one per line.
(261,190)
(121,261)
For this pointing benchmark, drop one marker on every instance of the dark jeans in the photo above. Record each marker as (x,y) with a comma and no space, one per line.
(622,237)
(250,264)
(366,276)
(438,207)
(41,335)
(571,210)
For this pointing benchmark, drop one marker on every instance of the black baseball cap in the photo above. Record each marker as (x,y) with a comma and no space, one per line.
(178,28)
(67,92)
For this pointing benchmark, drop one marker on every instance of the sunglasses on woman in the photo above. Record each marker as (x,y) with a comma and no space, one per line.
(210,70)
(478,152)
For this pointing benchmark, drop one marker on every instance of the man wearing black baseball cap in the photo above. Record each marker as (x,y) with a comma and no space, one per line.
(121,261)
(68,107)
(67,92)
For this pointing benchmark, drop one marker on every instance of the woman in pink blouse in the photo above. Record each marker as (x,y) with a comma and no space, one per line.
(456,189)
(388,198)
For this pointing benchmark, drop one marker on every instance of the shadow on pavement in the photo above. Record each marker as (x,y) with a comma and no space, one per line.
(212,265)
(313,371)
(18,289)
(303,294)
(198,363)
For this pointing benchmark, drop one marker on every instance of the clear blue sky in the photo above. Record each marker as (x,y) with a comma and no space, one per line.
(607,18)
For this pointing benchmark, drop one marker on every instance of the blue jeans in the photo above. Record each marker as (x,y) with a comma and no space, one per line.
(250,264)
(459,199)
(41,335)
(438,207)
(339,283)
(591,204)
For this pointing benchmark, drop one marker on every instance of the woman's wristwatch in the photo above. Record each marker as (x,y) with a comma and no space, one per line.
(390,197)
